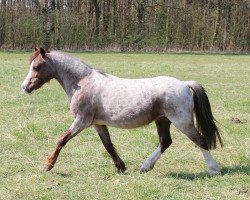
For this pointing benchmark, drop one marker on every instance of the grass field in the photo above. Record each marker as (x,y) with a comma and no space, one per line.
(31,124)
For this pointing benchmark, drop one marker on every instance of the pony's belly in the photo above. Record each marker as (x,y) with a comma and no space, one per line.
(129,121)
(122,124)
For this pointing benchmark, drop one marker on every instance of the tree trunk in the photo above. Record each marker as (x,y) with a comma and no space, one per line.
(2,22)
(97,21)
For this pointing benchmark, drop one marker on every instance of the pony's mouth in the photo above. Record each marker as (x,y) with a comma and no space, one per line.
(27,90)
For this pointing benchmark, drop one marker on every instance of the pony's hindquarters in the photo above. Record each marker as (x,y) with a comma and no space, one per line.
(190,99)
(179,107)
(180,112)
(204,117)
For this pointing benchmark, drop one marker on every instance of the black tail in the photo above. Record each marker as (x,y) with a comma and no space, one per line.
(204,117)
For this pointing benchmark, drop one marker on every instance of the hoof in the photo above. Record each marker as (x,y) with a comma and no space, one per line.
(146,167)
(120,167)
(214,173)
(121,170)
(144,170)
(48,167)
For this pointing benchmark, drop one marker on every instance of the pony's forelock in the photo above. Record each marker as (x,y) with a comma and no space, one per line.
(33,56)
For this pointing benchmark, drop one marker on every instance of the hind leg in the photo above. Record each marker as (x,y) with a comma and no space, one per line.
(211,163)
(163,126)
(193,134)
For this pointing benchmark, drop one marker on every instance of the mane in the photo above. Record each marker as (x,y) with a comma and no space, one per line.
(67,56)
(100,71)
(33,56)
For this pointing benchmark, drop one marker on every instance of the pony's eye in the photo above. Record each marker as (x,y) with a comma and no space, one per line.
(36,67)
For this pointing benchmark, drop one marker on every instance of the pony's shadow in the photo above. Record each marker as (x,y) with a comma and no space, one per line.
(242,169)
(64,175)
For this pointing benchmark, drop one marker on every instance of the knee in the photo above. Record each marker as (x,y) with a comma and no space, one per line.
(64,139)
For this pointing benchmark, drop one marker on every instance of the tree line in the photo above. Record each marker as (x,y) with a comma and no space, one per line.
(123,25)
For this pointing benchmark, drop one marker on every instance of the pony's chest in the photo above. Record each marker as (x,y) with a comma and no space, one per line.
(81,103)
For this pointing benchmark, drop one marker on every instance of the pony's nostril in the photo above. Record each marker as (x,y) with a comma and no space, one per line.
(25,89)
(28,91)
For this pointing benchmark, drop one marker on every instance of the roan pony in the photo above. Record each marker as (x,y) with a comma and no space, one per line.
(99,99)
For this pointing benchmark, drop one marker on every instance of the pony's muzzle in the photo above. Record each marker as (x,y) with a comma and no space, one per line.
(25,89)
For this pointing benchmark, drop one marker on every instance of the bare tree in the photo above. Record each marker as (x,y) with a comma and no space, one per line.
(127,24)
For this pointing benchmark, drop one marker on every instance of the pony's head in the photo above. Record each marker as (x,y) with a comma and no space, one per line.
(40,71)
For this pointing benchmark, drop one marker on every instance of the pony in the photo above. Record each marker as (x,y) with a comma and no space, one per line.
(100,100)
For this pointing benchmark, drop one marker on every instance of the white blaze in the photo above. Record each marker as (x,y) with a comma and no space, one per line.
(28,77)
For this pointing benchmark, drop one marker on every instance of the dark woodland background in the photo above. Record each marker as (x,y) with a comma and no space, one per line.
(124,25)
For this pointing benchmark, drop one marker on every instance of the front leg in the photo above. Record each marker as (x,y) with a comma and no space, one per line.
(77,126)
(102,130)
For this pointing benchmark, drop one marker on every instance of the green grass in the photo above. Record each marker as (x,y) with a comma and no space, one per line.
(31,124)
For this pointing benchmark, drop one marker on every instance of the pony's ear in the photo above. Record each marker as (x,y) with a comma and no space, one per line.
(36,49)
(42,52)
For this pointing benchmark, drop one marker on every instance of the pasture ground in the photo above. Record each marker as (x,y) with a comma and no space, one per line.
(31,124)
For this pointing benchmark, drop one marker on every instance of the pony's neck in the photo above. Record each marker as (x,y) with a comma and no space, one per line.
(69,71)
